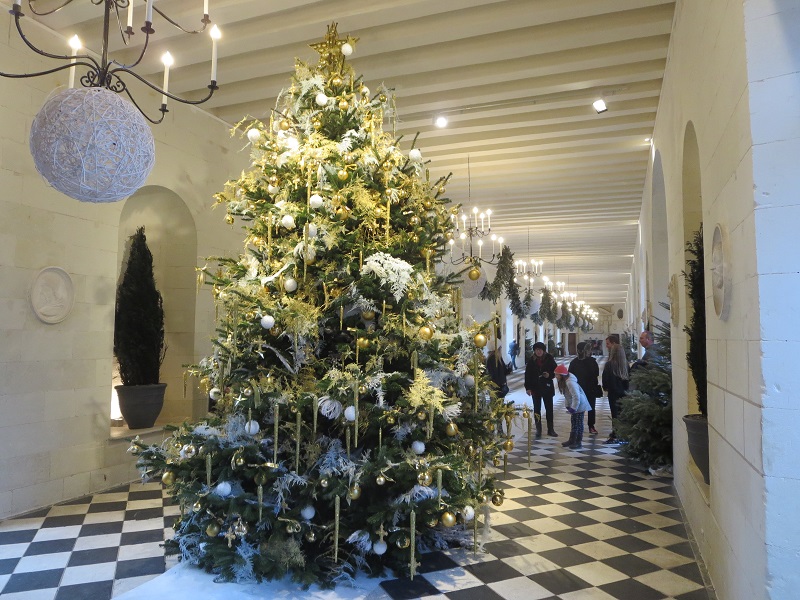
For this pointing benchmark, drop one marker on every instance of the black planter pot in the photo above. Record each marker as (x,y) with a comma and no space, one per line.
(140,405)
(697,431)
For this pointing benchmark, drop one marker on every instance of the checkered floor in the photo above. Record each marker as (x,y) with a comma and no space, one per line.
(575,525)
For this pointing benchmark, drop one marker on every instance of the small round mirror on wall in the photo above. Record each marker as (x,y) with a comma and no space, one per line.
(720,272)
(619,313)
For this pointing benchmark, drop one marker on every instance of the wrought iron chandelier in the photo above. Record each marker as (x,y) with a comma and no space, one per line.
(106,72)
(471,227)
(87,141)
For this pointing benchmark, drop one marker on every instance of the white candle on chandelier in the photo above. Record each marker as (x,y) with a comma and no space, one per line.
(489,217)
(75,44)
(462,237)
(205,8)
(480,248)
(215,34)
(168,61)
(463,221)
(483,216)
(130,14)
(452,243)
(149,12)
(494,238)
(474,216)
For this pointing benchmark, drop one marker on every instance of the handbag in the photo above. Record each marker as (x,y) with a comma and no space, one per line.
(504,390)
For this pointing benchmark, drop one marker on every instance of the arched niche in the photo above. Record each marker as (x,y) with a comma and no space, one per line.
(172,238)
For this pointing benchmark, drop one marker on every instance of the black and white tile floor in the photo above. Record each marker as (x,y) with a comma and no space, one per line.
(575,525)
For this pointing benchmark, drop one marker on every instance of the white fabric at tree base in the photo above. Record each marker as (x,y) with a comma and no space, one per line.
(184,582)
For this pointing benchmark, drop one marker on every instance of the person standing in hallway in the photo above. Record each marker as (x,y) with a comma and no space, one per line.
(496,367)
(615,382)
(587,372)
(576,403)
(513,352)
(539,374)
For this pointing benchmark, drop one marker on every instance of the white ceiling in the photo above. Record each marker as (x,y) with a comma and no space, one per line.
(516,78)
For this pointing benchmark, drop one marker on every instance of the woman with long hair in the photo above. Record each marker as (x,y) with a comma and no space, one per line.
(539,374)
(615,381)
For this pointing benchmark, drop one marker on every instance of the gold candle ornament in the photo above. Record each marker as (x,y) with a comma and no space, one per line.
(388,216)
(315,404)
(341,317)
(413,527)
(208,470)
(347,439)
(439,485)
(477,367)
(297,444)
(355,406)
(336,508)
(260,500)
(380,437)
(275,414)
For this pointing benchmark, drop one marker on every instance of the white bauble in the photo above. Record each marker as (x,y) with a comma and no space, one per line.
(469,380)
(268,321)
(315,201)
(312,230)
(252,427)
(308,512)
(364,91)
(223,489)
(350,413)
(215,394)
(415,155)
(347,49)
(321,99)
(287,221)
(379,547)
(469,513)
(253,135)
(418,447)
(273,189)
(290,285)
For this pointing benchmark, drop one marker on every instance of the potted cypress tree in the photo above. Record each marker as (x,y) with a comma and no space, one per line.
(697,424)
(139,337)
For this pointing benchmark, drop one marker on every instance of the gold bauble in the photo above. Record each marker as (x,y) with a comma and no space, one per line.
(260,478)
(239,461)
(362,390)
(363,343)
(284,125)
(474,273)
(368,315)
(470,449)
(323,482)
(427,204)
(342,213)
(449,235)
(425,332)
(415,238)
(168,478)
(422,415)
(316,124)
(364,90)
(189,451)
(342,174)
(451,430)
(497,499)
(343,104)
(426,252)
(526,414)
(197,507)
(212,530)
(424,478)
(508,445)
(481,498)
(336,81)
(355,492)
(403,542)
(380,480)
(448,519)
(442,190)
(480,340)
(414,220)
(229,219)
(273,180)
(382,98)
(390,420)
(311,536)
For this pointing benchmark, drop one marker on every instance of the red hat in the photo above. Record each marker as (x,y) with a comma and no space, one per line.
(561,370)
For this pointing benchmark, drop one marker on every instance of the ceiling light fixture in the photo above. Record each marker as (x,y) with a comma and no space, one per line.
(600,106)
(440,121)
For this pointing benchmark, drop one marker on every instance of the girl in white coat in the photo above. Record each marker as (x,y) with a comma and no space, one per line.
(576,402)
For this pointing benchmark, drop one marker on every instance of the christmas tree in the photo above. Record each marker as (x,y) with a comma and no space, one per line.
(354,419)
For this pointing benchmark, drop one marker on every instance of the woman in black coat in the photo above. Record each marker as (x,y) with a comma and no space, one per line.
(585,368)
(615,382)
(539,374)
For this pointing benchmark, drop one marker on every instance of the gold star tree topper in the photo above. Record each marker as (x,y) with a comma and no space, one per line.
(330,48)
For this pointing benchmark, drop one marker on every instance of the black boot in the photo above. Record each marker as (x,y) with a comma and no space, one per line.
(569,441)
(538,419)
(576,445)
(550,431)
